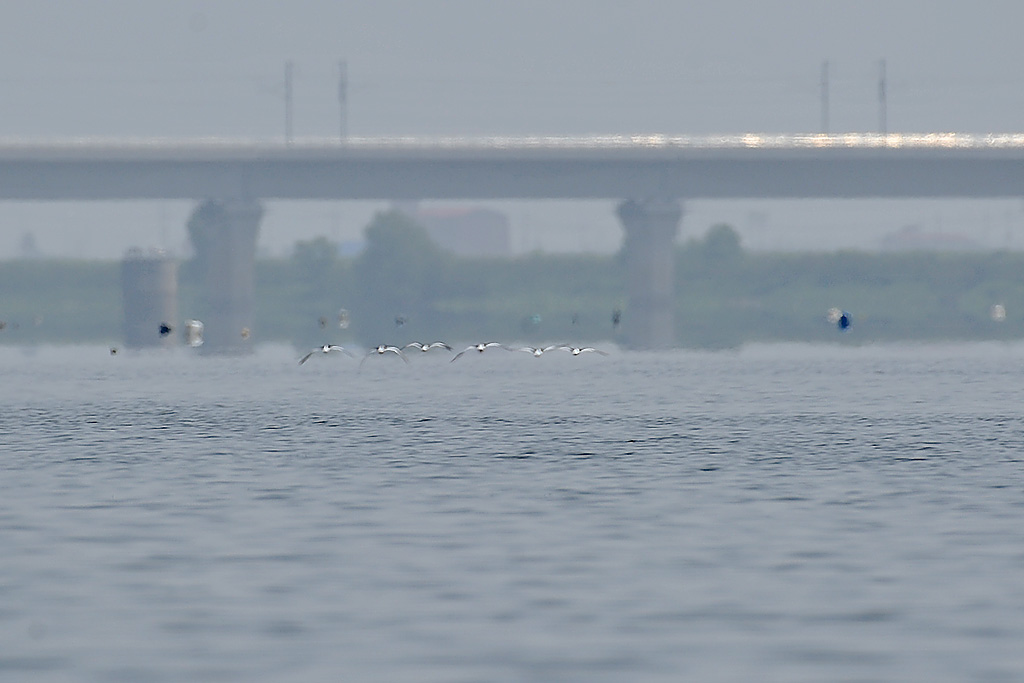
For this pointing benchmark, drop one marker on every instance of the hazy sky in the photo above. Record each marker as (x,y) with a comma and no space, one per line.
(473,67)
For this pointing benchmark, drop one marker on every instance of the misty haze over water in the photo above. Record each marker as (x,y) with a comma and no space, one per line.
(186,69)
(776,512)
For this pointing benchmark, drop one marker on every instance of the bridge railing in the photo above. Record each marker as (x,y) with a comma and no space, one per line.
(937,140)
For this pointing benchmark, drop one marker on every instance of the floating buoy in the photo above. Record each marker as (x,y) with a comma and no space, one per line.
(839,318)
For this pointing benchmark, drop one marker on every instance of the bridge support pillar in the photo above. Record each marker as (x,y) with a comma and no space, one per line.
(651,228)
(223,234)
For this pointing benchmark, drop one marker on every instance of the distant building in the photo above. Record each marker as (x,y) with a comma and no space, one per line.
(467,231)
(913,238)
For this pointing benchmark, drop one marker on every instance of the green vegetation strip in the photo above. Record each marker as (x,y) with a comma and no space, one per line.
(402,287)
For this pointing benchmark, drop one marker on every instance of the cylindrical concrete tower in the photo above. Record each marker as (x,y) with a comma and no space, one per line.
(223,234)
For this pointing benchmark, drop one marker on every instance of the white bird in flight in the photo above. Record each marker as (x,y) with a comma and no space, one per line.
(479,348)
(577,350)
(325,349)
(536,351)
(426,347)
(381,349)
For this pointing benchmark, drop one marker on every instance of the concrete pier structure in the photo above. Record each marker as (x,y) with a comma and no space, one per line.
(745,165)
(223,234)
(149,285)
(650,230)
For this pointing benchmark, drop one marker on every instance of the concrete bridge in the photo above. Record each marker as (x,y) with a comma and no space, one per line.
(651,175)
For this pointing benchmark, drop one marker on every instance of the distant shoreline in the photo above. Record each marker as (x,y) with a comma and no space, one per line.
(725,297)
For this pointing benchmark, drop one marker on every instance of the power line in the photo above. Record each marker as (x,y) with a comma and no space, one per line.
(883,124)
(288,102)
(343,99)
(824,97)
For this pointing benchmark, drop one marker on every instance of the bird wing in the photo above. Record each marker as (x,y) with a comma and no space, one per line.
(395,349)
(306,357)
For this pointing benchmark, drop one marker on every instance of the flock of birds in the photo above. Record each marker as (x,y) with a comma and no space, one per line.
(840,318)
(400,351)
(193,333)
(384,349)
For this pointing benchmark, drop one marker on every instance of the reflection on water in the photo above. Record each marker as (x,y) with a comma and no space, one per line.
(776,513)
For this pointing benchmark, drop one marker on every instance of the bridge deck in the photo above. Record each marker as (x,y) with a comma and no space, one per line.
(612,167)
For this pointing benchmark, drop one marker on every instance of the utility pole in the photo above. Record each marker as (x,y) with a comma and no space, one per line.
(288,102)
(883,124)
(824,97)
(343,99)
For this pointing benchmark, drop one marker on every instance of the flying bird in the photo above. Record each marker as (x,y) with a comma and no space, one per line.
(426,347)
(165,329)
(536,351)
(577,350)
(381,349)
(325,349)
(479,348)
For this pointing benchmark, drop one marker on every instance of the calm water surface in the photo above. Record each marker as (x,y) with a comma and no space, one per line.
(779,513)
